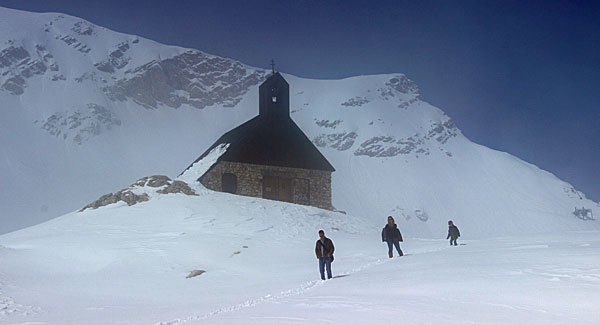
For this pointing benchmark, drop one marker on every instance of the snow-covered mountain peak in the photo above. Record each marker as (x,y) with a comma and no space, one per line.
(61,51)
(86,110)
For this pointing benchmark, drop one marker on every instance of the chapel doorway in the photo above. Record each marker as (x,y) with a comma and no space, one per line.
(277,188)
(229,183)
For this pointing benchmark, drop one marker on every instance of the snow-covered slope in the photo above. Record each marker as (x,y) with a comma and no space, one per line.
(256,264)
(86,110)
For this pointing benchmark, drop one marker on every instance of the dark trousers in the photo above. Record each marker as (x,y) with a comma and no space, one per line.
(453,240)
(325,262)
(392,243)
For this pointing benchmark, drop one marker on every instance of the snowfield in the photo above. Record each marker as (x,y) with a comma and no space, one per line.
(123,264)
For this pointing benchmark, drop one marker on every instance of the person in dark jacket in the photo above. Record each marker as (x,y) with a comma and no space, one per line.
(391,235)
(324,250)
(453,232)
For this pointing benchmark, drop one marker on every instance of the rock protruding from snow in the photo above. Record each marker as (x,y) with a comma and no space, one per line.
(126,196)
(355,101)
(82,124)
(153,181)
(116,59)
(328,124)
(403,85)
(584,214)
(389,146)
(192,78)
(83,28)
(17,65)
(195,273)
(339,141)
(177,187)
(141,191)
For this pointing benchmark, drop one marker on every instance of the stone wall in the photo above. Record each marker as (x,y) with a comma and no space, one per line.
(309,187)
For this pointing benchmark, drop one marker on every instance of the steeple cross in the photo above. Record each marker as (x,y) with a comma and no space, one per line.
(273,65)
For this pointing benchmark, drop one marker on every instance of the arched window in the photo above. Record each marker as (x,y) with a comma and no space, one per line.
(229,183)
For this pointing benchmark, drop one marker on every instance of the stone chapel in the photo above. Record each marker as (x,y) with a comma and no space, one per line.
(270,157)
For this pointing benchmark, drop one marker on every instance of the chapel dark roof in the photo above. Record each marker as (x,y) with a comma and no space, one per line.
(263,141)
(271,138)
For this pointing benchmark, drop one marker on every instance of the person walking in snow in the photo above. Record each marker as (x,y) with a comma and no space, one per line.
(453,232)
(324,250)
(391,234)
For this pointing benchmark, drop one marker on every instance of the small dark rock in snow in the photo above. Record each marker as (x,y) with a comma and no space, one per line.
(195,273)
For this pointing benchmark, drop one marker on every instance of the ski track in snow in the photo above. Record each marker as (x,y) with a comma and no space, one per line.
(249,303)
(304,288)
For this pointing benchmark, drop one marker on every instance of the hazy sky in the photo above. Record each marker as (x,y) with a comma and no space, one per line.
(517,76)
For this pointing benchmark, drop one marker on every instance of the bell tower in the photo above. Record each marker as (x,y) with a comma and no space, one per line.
(274,97)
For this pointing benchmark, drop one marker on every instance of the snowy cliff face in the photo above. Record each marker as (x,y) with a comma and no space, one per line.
(86,111)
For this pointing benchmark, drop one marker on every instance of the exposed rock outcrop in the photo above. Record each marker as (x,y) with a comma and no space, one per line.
(328,124)
(81,124)
(389,146)
(126,196)
(355,101)
(129,195)
(340,141)
(177,187)
(192,78)
(17,65)
(116,59)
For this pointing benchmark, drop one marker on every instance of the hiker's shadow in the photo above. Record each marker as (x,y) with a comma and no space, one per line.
(341,276)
